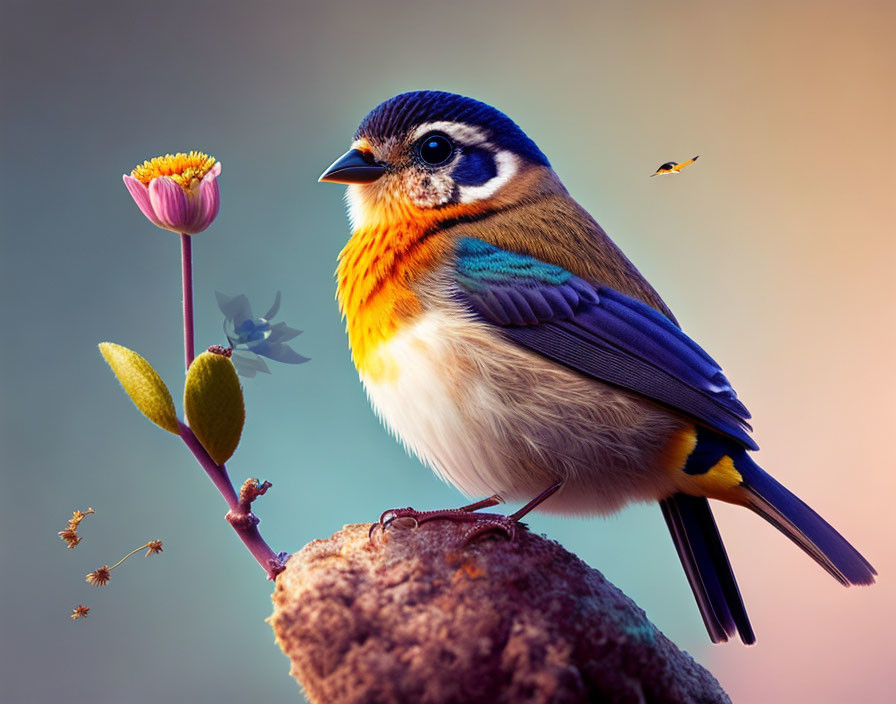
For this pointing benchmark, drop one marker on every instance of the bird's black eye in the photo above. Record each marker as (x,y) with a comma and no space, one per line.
(435,149)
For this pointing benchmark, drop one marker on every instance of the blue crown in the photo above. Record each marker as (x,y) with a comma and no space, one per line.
(400,114)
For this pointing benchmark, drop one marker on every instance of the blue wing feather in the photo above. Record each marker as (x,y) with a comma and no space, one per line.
(599,332)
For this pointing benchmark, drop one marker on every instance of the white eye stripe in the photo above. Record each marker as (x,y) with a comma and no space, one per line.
(506,164)
(459,132)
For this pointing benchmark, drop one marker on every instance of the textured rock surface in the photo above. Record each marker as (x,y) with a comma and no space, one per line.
(411,617)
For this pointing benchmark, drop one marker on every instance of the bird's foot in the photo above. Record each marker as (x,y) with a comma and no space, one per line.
(464,514)
(481,523)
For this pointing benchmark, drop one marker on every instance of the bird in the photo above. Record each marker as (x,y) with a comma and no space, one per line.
(508,343)
(673,167)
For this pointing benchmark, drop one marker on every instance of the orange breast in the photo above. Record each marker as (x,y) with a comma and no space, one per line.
(392,250)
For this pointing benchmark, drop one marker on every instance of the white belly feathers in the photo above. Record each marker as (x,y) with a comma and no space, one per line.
(490,417)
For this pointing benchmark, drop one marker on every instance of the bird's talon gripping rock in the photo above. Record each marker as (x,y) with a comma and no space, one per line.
(482,522)
(386,517)
(505,526)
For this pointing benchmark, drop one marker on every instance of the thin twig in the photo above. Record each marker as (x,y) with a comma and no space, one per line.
(135,550)
(240,516)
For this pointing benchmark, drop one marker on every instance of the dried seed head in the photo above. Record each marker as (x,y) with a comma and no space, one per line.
(100,577)
(70,536)
(153,547)
(77,517)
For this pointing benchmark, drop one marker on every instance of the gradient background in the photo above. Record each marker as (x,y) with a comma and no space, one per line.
(776,251)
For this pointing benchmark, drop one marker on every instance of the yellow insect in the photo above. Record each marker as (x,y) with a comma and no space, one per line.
(673,167)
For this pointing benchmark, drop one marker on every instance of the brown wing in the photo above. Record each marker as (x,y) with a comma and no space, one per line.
(535,215)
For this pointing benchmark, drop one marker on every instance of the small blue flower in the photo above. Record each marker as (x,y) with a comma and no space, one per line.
(252,338)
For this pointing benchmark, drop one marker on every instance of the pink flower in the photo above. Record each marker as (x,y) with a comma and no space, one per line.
(177,192)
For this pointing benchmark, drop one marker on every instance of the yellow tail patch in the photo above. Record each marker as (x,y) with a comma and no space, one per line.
(679,448)
(721,481)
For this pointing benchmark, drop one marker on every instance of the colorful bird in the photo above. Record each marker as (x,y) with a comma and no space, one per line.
(673,167)
(508,343)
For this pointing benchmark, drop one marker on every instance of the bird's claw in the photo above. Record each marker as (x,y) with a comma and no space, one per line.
(486,522)
(492,524)
(391,514)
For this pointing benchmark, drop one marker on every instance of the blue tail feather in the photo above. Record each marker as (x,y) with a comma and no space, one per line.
(803,526)
(706,565)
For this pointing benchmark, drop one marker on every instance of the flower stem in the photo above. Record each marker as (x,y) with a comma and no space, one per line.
(142,547)
(186,258)
(240,517)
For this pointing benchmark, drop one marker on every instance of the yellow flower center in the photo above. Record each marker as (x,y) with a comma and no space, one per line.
(182,168)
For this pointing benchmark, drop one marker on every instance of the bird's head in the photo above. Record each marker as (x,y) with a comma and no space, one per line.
(428,152)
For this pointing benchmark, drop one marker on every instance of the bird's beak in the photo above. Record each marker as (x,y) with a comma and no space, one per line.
(354,166)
